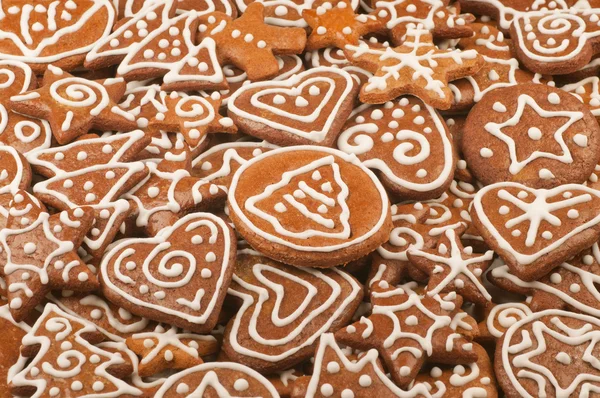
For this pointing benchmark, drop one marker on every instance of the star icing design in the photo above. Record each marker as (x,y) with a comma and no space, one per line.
(250,44)
(535,133)
(452,267)
(542,345)
(162,349)
(39,253)
(336,26)
(193,116)
(416,67)
(408,329)
(170,192)
(74,105)
(442,21)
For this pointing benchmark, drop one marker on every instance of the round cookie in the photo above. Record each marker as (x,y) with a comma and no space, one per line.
(309,206)
(549,354)
(536,135)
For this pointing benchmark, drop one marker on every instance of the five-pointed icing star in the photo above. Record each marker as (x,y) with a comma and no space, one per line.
(39,253)
(452,267)
(169,192)
(524,100)
(408,329)
(336,26)
(74,105)
(249,43)
(192,116)
(161,350)
(416,67)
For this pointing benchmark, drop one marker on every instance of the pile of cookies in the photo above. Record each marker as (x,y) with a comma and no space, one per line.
(300,198)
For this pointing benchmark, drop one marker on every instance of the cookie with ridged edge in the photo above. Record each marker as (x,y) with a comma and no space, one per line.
(532,134)
(307,108)
(309,206)
(311,301)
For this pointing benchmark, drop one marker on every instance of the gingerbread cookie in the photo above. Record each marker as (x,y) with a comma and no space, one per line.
(58,337)
(178,277)
(409,329)
(335,25)
(216,380)
(162,349)
(193,116)
(335,374)
(407,142)
(219,163)
(572,285)
(443,21)
(500,69)
(116,323)
(549,353)
(454,268)
(21,132)
(97,180)
(54,33)
(307,108)
(15,175)
(12,334)
(273,330)
(425,76)
(74,105)
(288,65)
(308,201)
(288,12)
(249,43)
(587,91)
(336,58)
(532,134)
(544,48)
(474,379)
(169,192)
(39,253)
(536,230)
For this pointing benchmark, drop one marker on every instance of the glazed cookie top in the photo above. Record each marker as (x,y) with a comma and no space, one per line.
(309,199)
(537,135)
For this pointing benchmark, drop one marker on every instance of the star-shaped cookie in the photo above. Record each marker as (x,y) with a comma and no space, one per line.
(335,25)
(249,43)
(452,267)
(417,67)
(408,329)
(73,105)
(193,116)
(39,253)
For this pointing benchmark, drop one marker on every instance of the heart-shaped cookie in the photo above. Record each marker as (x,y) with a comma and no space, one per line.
(307,108)
(535,230)
(179,276)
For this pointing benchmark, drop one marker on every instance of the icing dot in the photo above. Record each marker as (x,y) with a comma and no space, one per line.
(314,90)
(575,288)
(547,235)
(333,367)
(435,372)
(555,278)
(182,388)
(387,137)
(148,343)
(153,192)
(321,30)
(365,381)
(205,273)
(572,214)
(404,371)
(553,98)
(563,358)
(412,320)
(160,295)
(241,385)
(82,155)
(588,260)
(130,265)
(377,114)
(59,156)
(98,386)
(545,174)
(421,173)
(168,355)
(459,370)
(522,195)
(301,102)
(486,153)
(347,393)
(499,107)
(54,391)
(16,303)
(580,140)
(34,371)
(281,11)
(76,386)
(327,389)
(279,99)
(503,210)
(210,257)
(110,175)
(197,239)
(68,184)
(534,133)
(29,247)
(485,381)
(107,148)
